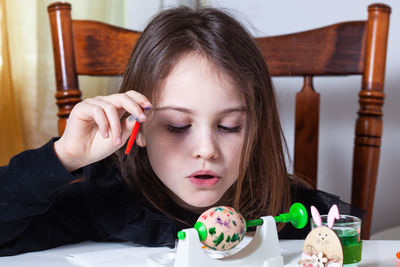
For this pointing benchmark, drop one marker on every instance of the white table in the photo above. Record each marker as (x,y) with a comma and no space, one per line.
(375,253)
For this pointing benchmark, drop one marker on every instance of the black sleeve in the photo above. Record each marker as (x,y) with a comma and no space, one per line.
(323,201)
(40,207)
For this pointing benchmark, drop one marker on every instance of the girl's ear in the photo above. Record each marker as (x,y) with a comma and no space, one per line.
(332,215)
(140,140)
(316,217)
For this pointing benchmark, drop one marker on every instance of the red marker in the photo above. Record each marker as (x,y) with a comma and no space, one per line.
(131,139)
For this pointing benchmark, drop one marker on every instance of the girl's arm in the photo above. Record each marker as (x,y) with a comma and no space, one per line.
(29,186)
(38,210)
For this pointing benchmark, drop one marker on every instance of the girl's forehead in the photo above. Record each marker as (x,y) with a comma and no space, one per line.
(194,78)
(203,65)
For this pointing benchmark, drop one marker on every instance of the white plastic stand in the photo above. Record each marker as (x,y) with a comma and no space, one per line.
(262,251)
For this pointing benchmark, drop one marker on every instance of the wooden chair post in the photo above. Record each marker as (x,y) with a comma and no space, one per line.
(306,132)
(369,122)
(68,93)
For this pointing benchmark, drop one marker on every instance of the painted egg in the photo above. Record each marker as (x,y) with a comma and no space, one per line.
(225,227)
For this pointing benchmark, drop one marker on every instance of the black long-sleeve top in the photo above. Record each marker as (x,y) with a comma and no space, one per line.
(41,207)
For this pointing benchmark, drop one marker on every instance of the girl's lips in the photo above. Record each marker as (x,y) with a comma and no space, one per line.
(203,182)
(204,173)
(204,178)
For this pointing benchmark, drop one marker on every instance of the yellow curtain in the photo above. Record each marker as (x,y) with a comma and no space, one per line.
(10,133)
(28,111)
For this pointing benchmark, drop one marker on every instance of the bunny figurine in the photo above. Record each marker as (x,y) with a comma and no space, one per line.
(322,246)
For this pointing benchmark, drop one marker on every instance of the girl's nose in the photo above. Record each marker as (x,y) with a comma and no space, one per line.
(205,147)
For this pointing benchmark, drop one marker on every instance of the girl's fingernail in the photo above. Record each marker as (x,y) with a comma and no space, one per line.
(106,134)
(118,141)
(147,108)
(131,118)
(142,117)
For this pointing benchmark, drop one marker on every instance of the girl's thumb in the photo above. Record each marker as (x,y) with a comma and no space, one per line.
(127,127)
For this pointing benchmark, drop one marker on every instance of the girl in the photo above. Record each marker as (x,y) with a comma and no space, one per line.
(210,135)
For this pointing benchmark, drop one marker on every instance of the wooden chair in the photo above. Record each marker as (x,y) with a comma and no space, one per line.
(349,48)
(83,47)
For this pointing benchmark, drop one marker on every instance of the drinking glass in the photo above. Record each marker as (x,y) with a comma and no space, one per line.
(348,228)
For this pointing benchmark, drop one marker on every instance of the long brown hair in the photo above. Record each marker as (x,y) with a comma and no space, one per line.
(262,187)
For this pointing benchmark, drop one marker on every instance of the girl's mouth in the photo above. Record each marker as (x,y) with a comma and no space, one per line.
(204,178)
(204,181)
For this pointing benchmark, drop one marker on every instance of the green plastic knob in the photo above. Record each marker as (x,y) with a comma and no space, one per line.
(181,235)
(202,230)
(297,215)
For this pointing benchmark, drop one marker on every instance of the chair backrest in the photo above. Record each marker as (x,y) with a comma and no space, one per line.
(349,48)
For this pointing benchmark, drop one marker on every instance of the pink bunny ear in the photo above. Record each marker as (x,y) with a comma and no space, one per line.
(316,216)
(332,215)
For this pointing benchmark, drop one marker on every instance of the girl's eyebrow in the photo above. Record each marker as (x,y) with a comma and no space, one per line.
(180,109)
(189,111)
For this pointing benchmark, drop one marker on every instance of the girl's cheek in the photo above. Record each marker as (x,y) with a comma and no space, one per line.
(175,140)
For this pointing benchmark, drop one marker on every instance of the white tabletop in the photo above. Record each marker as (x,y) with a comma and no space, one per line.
(374,253)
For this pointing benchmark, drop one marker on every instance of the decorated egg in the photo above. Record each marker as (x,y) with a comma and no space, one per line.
(221,228)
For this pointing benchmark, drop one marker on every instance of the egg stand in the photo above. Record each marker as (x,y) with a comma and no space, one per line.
(263,250)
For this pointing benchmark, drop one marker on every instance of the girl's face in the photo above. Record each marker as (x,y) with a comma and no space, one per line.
(194,140)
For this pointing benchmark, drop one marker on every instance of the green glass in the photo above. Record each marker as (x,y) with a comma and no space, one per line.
(348,229)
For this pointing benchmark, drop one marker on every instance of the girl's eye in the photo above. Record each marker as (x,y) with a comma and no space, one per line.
(182,129)
(230,129)
(176,129)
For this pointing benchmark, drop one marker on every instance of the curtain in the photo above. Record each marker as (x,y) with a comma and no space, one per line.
(10,133)
(27,81)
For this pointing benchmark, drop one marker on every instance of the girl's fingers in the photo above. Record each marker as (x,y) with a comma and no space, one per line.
(113,119)
(106,111)
(139,98)
(127,126)
(101,120)
(88,111)
(133,106)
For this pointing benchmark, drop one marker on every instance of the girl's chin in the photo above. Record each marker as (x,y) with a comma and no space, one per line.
(197,202)
(198,205)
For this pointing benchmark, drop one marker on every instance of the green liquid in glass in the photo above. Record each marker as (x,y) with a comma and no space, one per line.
(351,243)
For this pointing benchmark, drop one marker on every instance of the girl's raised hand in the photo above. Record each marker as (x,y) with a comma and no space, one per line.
(94,129)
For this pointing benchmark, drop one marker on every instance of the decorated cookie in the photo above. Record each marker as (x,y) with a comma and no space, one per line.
(224,227)
(322,246)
